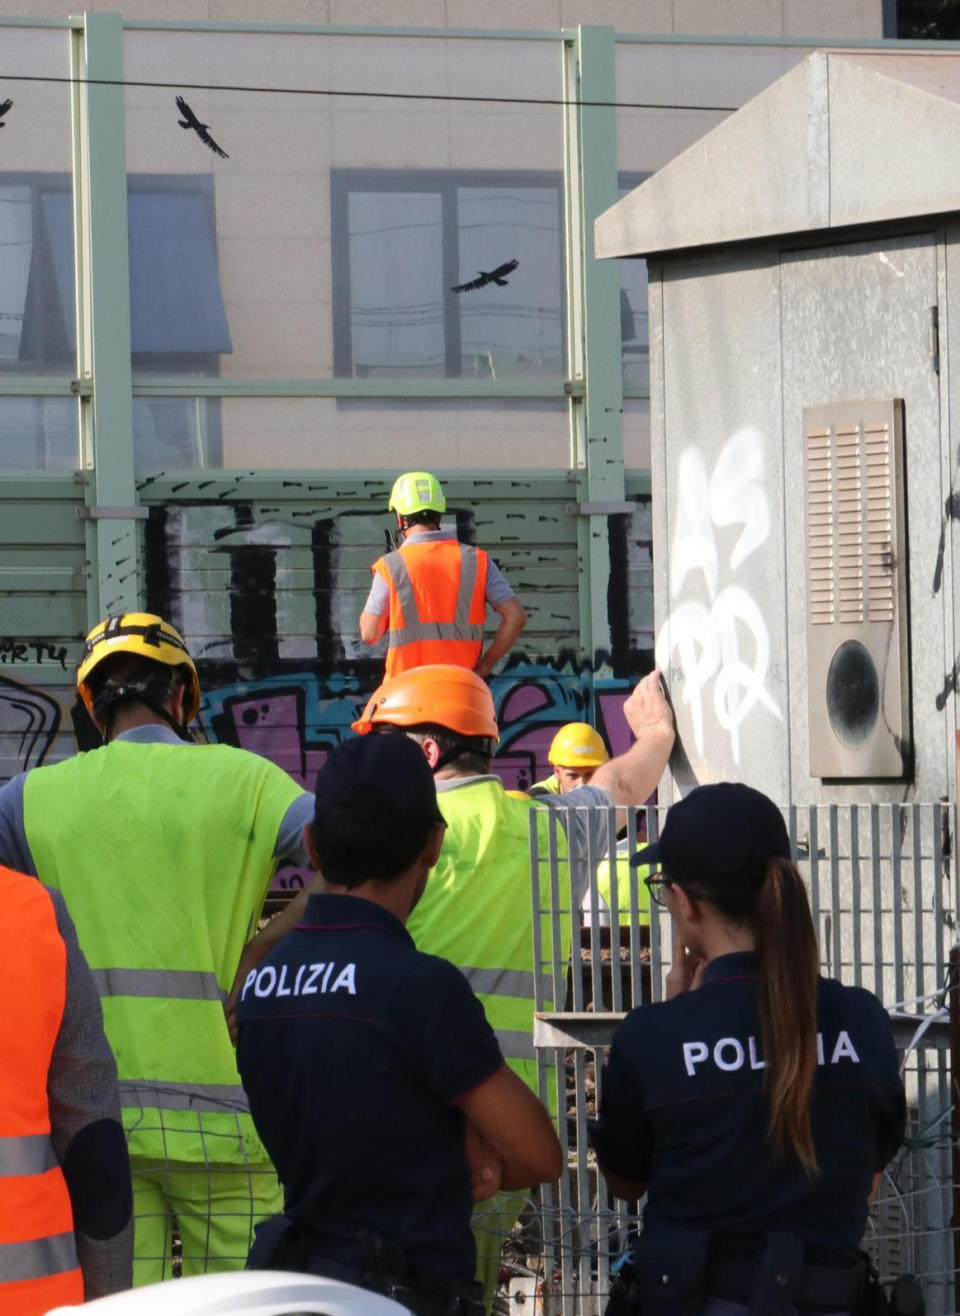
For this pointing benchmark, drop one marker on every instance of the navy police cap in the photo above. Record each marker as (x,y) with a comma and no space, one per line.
(378,777)
(716,832)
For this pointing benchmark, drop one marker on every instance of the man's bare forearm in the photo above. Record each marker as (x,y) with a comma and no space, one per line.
(633,777)
(513,619)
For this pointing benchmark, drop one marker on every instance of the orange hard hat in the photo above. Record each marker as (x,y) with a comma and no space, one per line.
(439,694)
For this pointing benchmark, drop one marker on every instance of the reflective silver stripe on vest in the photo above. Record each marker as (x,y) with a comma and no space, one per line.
(515,1045)
(413,628)
(468,578)
(507,982)
(174,984)
(31,1154)
(37,1259)
(216,1097)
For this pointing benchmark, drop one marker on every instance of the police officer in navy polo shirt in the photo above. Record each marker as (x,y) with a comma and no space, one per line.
(758,1105)
(374,1079)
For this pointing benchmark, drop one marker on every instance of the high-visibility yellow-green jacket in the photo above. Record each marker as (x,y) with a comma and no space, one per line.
(548,786)
(477,909)
(164,853)
(605,888)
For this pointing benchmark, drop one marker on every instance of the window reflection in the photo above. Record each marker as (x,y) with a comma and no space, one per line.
(39,434)
(16,249)
(403,239)
(634,316)
(396,284)
(516,330)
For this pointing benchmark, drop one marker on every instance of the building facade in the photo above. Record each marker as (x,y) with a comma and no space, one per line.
(211,367)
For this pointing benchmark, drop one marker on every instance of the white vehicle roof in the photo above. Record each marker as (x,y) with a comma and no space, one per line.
(246,1292)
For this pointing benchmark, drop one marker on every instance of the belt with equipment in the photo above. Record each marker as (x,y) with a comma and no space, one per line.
(281,1245)
(833,1288)
(671,1272)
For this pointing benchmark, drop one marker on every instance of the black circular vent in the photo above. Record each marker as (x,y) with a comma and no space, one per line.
(853,694)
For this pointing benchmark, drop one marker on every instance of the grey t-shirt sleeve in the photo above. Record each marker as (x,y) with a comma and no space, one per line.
(498,591)
(85,1127)
(290,846)
(378,598)
(14,850)
(587,830)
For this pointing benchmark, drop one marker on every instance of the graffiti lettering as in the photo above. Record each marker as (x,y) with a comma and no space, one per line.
(723,640)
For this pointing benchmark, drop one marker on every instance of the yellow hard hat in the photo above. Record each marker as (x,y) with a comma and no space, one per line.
(577,745)
(147,636)
(416,491)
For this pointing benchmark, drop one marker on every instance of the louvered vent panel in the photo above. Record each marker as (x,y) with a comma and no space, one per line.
(849,523)
(857,680)
(880,524)
(820,510)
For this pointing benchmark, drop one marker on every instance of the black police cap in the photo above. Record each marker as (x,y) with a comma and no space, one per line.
(717,832)
(378,777)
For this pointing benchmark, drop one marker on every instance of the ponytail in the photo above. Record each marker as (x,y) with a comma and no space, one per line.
(789,963)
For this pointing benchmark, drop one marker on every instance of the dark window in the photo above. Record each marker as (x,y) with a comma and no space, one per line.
(177,317)
(402,240)
(634,318)
(178,322)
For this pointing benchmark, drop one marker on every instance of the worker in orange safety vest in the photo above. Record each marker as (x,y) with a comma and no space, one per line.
(430,595)
(66,1226)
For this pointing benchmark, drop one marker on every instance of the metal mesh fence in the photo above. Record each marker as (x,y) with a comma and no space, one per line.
(884,901)
(197,1191)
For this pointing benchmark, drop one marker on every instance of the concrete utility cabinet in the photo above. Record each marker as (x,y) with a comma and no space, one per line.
(805,361)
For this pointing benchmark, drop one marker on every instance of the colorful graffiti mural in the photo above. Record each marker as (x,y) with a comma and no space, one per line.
(266,579)
(296,717)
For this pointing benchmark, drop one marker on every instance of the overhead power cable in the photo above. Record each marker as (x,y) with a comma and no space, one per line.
(370,95)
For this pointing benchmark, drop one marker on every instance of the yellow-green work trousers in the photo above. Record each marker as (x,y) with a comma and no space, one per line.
(214,1208)
(492,1223)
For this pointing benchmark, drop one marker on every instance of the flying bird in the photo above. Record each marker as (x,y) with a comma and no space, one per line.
(190,120)
(4,106)
(497,276)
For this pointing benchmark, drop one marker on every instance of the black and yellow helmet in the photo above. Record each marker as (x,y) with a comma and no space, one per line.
(144,635)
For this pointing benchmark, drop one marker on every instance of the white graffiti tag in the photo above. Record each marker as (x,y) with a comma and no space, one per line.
(703,642)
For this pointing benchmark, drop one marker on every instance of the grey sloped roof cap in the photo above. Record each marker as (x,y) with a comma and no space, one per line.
(846,137)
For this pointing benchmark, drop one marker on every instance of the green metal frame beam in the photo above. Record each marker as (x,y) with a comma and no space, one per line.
(590,177)
(103,299)
(147,386)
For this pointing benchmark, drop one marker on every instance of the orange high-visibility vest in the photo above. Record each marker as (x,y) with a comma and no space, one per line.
(38,1255)
(437,603)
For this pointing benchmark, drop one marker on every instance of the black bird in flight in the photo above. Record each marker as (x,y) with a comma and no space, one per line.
(497,276)
(190,120)
(4,106)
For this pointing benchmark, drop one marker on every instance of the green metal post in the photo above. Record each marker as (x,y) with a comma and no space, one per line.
(103,302)
(590,177)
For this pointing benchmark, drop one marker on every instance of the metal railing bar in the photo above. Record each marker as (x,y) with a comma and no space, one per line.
(916,831)
(877,898)
(855,894)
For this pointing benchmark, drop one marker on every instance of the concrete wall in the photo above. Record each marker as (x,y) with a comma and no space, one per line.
(719,524)
(744,343)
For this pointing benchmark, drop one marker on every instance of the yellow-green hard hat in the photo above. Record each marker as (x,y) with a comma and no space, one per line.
(416,491)
(577,745)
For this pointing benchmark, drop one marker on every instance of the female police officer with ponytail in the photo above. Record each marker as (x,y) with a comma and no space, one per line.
(758,1104)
